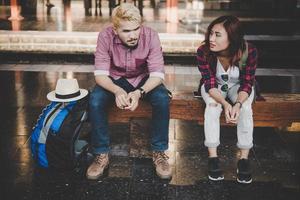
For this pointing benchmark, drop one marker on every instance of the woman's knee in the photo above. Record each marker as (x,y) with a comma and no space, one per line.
(213,109)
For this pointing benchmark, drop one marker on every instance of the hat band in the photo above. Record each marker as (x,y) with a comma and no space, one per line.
(68,96)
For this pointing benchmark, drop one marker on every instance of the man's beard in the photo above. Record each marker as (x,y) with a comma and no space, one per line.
(132,47)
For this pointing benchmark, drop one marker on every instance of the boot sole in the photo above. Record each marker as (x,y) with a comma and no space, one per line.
(98,176)
(164,176)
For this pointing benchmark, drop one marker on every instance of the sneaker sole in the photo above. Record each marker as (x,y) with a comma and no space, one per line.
(242,181)
(216,179)
(98,176)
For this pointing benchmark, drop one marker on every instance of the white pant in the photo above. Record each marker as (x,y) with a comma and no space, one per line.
(212,114)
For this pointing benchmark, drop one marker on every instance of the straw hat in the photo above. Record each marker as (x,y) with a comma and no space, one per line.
(66,90)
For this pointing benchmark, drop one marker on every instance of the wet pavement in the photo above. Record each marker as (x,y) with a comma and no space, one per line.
(23,87)
(275,33)
(274,158)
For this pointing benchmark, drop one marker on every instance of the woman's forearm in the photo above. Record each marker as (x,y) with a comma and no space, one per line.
(217,96)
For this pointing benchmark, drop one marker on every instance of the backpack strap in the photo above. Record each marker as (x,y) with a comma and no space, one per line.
(37,129)
(243,60)
(38,137)
(57,122)
(43,116)
(47,122)
(52,112)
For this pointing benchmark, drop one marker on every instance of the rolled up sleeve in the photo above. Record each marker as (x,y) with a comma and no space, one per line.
(208,76)
(247,77)
(155,59)
(102,57)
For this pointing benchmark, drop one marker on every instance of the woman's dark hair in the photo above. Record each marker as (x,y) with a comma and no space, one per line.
(235,33)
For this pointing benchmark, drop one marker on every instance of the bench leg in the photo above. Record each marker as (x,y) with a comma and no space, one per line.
(140,133)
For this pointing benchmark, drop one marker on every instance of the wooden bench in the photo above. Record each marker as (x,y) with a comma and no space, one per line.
(278,110)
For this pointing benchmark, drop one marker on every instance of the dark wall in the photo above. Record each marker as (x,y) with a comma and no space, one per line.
(273,8)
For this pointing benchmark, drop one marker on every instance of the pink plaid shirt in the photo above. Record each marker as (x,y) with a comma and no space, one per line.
(114,59)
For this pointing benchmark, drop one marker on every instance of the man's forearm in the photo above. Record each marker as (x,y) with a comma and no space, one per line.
(152,83)
(105,82)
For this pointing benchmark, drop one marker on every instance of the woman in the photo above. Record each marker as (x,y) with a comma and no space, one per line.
(227,85)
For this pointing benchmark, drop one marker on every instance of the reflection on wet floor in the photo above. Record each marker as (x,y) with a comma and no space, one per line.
(178,77)
(275,156)
(23,88)
(169,16)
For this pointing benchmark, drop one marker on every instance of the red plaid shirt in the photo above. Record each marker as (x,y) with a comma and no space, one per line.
(208,70)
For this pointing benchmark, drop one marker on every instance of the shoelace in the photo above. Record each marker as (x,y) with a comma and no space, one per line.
(161,158)
(98,160)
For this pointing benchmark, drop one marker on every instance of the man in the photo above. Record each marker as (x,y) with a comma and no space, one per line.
(128,67)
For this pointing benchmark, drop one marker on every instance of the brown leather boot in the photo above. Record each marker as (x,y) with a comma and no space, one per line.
(162,166)
(98,166)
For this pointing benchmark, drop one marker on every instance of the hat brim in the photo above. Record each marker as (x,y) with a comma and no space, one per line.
(51,96)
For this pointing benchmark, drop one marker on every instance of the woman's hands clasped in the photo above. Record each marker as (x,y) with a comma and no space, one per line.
(231,113)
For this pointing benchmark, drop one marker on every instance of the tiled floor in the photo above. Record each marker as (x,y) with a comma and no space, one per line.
(23,88)
(275,156)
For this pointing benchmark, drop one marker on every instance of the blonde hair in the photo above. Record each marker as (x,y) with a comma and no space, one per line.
(127,12)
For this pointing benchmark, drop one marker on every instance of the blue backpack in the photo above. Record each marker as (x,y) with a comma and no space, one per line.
(57,140)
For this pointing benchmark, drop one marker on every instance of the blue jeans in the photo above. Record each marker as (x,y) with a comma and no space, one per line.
(101,99)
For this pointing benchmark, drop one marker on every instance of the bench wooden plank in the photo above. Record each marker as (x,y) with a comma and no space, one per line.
(279,110)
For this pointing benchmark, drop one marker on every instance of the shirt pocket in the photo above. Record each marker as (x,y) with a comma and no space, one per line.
(140,64)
